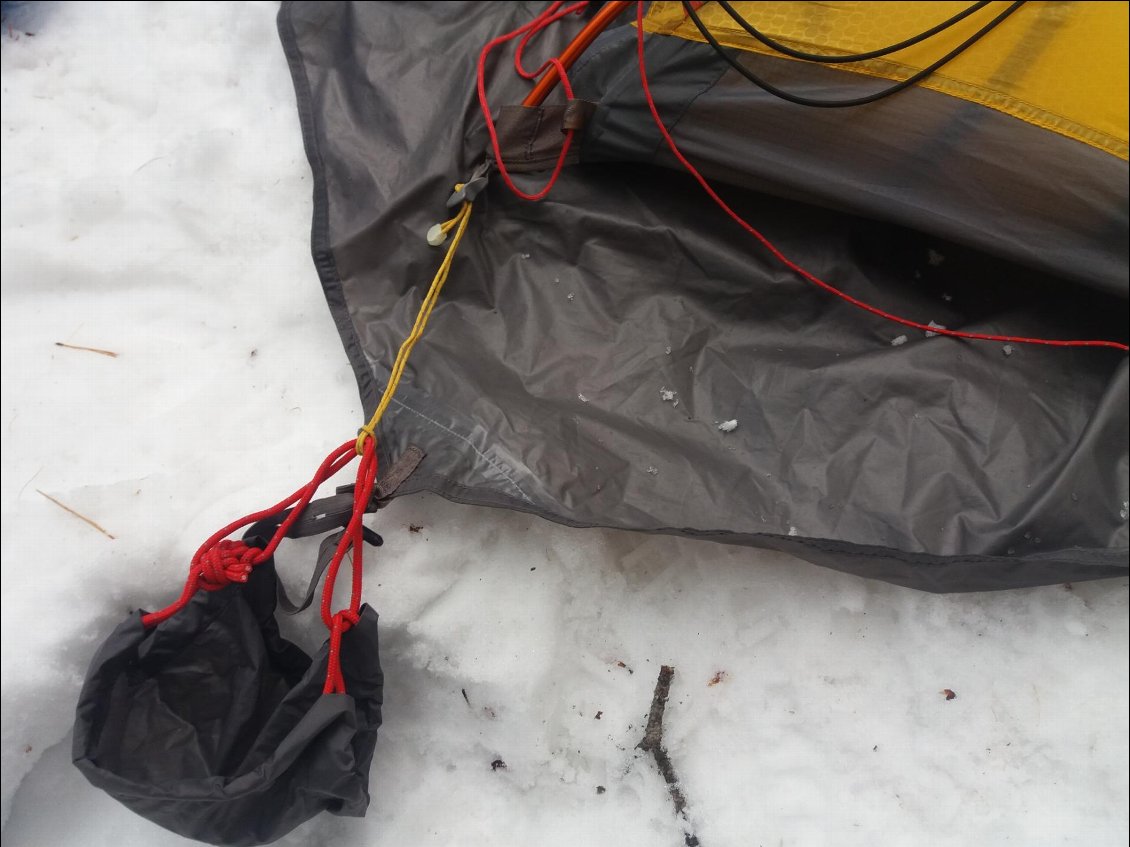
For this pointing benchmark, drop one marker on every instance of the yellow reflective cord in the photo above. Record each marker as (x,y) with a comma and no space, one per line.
(459,222)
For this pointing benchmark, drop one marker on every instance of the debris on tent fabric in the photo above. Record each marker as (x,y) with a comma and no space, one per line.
(584,259)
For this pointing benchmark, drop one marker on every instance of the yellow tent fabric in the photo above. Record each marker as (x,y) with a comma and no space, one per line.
(1060,65)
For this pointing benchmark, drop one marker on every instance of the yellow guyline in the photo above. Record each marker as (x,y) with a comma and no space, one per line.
(459,223)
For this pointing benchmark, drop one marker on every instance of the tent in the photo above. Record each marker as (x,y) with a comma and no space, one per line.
(940,464)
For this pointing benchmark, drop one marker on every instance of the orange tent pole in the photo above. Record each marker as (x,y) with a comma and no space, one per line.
(576,47)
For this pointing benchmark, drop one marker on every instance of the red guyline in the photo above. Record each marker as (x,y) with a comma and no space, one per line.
(530,29)
(219,562)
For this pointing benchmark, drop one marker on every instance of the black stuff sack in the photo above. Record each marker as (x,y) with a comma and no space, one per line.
(213,725)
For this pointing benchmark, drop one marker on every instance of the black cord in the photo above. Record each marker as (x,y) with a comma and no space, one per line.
(850,57)
(858,101)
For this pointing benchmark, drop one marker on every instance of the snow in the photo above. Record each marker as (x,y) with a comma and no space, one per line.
(898,341)
(728,426)
(935,325)
(156,203)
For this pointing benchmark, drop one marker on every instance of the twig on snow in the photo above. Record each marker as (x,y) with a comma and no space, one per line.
(78,515)
(97,350)
(653,743)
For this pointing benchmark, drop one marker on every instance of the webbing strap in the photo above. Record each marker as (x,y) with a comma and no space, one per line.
(325,554)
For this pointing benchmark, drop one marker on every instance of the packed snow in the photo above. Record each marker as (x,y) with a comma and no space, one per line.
(156,205)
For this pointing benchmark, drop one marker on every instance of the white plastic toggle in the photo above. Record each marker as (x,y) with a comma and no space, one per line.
(436,235)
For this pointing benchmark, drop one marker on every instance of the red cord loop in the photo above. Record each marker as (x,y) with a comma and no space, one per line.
(296,502)
(221,561)
(227,562)
(549,16)
(341,623)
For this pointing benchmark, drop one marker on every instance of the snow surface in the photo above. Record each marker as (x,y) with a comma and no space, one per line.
(156,202)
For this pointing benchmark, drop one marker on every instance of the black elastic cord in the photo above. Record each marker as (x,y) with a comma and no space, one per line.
(858,101)
(849,57)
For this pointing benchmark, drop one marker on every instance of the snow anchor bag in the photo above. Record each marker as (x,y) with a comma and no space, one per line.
(202,718)
(208,722)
